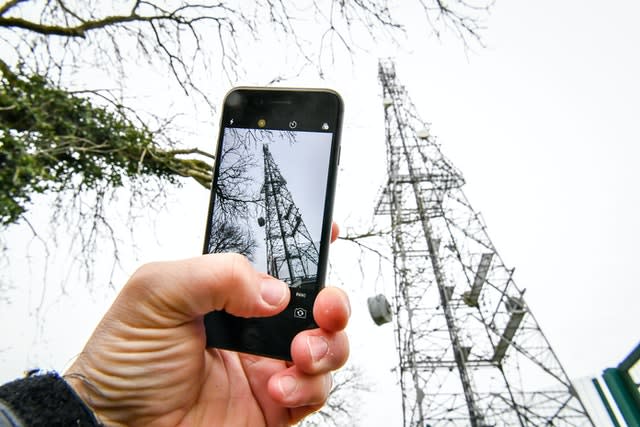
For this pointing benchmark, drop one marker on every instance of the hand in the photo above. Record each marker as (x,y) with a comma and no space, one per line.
(146,364)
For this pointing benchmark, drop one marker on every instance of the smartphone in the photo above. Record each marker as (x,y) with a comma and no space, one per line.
(271,200)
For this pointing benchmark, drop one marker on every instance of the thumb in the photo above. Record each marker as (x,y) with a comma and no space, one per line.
(183,290)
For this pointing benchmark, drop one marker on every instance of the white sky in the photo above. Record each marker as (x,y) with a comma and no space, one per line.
(543,123)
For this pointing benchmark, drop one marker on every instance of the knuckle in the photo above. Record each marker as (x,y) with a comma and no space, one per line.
(234,266)
(144,276)
(237,265)
(234,282)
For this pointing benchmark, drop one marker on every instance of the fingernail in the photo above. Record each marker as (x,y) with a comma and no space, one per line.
(318,347)
(273,291)
(288,385)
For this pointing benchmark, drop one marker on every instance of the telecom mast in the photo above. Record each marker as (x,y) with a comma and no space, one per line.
(292,255)
(470,351)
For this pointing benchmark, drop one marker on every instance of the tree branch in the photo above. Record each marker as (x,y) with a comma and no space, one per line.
(6,71)
(77,31)
(8,6)
(81,30)
(191,151)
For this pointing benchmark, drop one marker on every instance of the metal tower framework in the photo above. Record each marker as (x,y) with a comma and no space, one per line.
(470,351)
(292,256)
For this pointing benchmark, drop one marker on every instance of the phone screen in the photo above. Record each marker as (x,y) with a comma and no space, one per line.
(271,200)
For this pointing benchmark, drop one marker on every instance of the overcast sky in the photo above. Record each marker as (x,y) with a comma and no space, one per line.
(543,124)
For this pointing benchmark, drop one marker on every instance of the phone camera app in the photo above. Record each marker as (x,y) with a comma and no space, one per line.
(293,124)
(300,313)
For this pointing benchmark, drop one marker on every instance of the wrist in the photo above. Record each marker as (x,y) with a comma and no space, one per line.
(79,384)
(91,395)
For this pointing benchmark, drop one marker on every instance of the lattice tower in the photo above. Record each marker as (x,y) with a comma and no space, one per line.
(470,351)
(292,255)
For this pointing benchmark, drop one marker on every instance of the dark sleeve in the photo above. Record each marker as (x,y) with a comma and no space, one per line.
(43,400)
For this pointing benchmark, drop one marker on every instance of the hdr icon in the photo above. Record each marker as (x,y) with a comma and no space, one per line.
(299,313)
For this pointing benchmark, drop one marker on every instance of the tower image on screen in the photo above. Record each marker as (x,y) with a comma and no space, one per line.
(269,200)
(292,255)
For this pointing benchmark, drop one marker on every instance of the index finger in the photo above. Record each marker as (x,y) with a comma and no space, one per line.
(331,309)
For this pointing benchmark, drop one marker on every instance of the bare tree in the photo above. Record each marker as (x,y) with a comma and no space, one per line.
(181,35)
(348,391)
(49,43)
(62,133)
(227,236)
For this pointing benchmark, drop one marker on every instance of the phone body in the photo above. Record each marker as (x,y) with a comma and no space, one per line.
(272,200)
